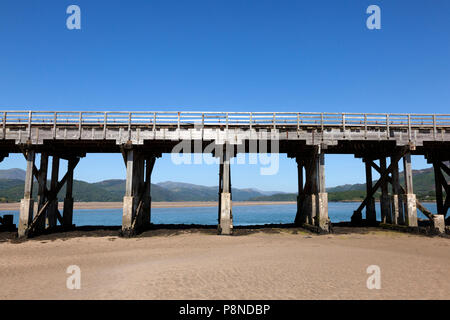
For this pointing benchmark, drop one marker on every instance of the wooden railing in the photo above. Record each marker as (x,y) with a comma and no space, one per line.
(224,119)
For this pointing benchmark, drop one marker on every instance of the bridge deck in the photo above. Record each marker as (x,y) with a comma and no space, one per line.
(334,132)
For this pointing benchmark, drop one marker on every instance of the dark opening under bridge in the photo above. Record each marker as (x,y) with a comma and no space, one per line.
(141,137)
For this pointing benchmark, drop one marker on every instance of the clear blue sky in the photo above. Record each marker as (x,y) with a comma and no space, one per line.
(225,55)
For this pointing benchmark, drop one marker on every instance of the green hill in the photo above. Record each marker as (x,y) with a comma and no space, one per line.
(11,190)
(423,188)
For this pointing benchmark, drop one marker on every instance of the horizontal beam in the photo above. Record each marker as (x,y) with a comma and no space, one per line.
(180,118)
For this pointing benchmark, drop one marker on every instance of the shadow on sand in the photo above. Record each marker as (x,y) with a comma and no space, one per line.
(154,230)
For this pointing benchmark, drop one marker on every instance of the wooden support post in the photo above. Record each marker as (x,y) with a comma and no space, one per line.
(52,214)
(310,190)
(383,178)
(27,203)
(225,226)
(410,209)
(300,217)
(42,191)
(438,187)
(133,186)
(220,190)
(68,200)
(371,217)
(446,186)
(397,207)
(146,198)
(321,220)
(385,202)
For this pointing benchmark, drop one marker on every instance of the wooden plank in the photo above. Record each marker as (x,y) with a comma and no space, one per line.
(59,217)
(36,218)
(444,167)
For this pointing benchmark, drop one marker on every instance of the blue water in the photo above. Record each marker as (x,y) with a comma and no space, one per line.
(242,215)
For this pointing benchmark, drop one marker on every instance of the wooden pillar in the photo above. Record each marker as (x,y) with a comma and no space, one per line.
(220,190)
(134,182)
(385,203)
(309,204)
(27,203)
(42,197)
(410,209)
(322,220)
(300,217)
(225,226)
(68,200)
(147,199)
(397,207)
(438,187)
(53,206)
(371,217)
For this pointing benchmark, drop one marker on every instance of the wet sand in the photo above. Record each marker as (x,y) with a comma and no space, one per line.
(118,205)
(270,263)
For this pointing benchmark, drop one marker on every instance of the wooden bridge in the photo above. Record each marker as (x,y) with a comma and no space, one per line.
(142,137)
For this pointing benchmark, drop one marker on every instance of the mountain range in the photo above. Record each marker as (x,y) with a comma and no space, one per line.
(423,183)
(12,184)
(11,190)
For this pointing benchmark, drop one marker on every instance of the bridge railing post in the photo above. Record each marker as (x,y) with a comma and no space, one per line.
(434,126)
(4,125)
(30,115)
(409,127)
(80,121)
(343,124)
(388,130)
(129,126)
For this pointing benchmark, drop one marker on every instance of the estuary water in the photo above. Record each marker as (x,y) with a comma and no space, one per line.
(242,215)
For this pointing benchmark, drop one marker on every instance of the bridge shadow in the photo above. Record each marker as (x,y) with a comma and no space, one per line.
(155,230)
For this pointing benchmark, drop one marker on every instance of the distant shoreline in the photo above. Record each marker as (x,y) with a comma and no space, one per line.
(14,206)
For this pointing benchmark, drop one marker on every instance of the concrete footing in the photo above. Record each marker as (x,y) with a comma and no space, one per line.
(397,209)
(25,216)
(309,208)
(438,223)
(128,215)
(321,219)
(225,226)
(410,210)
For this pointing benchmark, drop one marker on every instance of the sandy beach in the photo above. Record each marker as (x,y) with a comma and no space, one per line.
(118,205)
(287,263)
